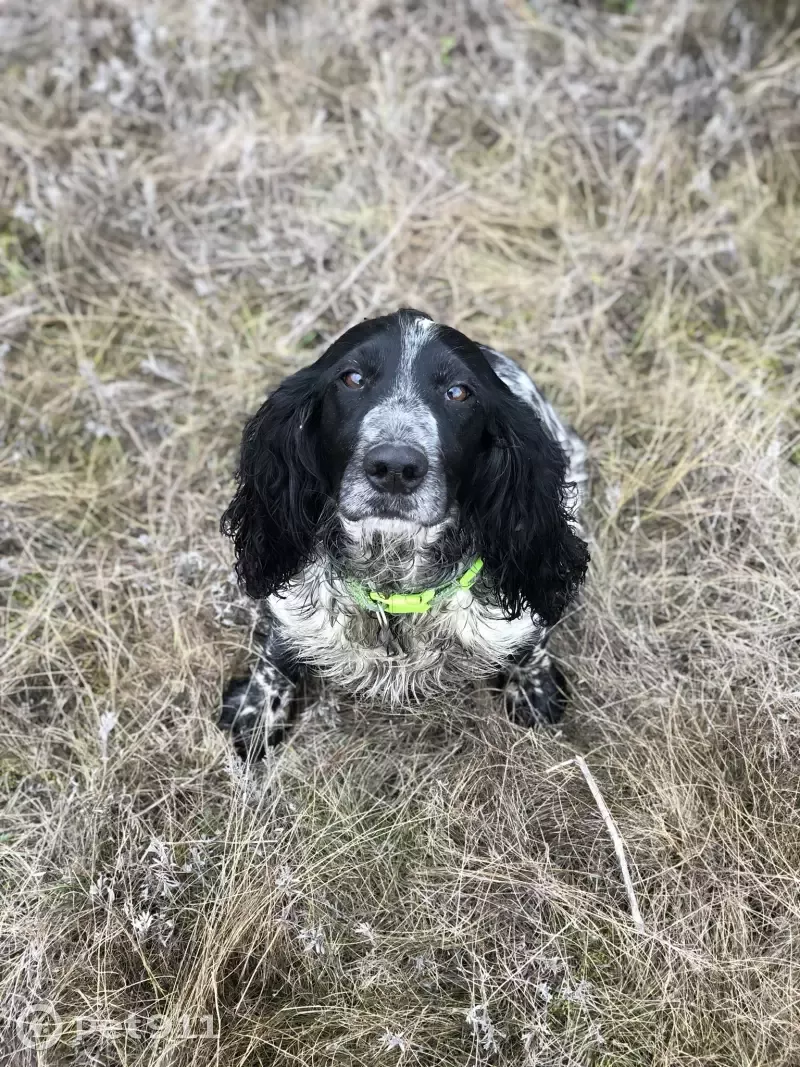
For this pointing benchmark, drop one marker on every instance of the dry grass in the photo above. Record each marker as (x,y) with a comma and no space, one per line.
(194,198)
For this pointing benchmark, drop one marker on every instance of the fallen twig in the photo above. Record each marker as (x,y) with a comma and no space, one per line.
(616,837)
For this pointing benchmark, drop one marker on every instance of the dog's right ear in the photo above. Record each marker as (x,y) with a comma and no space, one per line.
(274,517)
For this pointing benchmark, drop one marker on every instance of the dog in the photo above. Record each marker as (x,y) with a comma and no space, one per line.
(408,512)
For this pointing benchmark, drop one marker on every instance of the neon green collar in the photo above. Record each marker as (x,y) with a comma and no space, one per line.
(411,603)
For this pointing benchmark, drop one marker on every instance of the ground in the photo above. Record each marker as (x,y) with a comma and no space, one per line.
(194,199)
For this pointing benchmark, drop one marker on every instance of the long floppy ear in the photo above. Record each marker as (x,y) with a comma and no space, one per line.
(274,517)
(515,514)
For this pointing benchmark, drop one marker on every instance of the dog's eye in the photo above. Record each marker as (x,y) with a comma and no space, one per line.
(353,379)
(458,392)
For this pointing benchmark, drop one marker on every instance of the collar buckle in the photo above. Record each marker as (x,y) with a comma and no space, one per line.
(404,603)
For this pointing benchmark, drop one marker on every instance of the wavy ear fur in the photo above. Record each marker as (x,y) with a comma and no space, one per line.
(274,517)
(515,515)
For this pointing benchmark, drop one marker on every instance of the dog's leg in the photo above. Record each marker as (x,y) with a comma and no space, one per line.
(258,711)
(535,689)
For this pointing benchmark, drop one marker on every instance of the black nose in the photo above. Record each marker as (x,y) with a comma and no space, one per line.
(395,468)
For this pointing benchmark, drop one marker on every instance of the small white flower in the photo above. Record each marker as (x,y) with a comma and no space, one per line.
(203,287)
(313,940)
(483,1028)
(284,877)
(142,922)
(543,989)
(99,429)
(365,930)
(108,720)
(579,994)
(424,964)
(388,1041)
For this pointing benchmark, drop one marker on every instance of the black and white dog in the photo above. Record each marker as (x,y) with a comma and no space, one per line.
(407,508)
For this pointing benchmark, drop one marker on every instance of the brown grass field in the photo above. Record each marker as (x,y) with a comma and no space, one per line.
(195,198)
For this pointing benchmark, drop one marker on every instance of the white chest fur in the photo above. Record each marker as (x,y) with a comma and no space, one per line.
(458,639)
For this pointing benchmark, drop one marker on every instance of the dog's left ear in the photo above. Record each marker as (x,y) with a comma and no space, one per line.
(275,515)
(515,514)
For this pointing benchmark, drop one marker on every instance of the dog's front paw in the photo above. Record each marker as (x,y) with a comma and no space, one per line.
(538,698)
(256,711)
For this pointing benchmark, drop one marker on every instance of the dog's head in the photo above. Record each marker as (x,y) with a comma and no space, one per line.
(403,422)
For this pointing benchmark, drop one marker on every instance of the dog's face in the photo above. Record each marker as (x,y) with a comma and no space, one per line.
(403,421)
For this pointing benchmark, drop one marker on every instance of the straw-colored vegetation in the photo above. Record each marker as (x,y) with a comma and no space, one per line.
(194,199)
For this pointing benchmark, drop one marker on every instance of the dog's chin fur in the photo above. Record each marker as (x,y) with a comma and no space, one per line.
(397,554)
(358,530)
